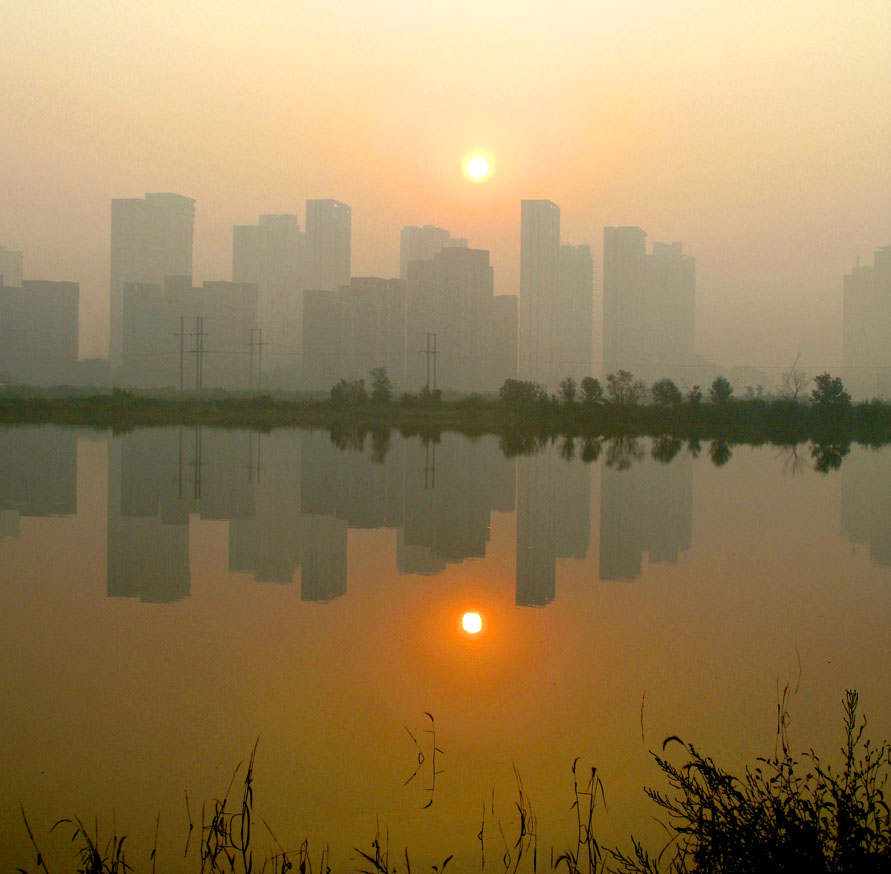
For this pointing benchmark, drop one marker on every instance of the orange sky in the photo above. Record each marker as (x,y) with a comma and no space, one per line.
(759,135)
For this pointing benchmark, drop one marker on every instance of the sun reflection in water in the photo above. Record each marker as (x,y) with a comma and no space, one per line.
(472,623)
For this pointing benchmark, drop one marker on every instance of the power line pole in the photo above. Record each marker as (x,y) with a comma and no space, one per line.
(199,352)
(259,344)
(182,336)
(259,358)
(431,352)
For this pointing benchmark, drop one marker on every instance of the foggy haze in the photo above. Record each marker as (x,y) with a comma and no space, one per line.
(760,136)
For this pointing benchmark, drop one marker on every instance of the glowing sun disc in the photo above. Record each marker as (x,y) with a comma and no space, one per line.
(472,623)
(477,167)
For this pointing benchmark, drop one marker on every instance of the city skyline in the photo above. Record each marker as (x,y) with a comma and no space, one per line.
(766,155)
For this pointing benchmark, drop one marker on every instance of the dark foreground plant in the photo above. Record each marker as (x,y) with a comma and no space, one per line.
(775,818)
(783,815)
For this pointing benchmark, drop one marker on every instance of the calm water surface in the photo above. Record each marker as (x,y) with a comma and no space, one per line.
(171,595)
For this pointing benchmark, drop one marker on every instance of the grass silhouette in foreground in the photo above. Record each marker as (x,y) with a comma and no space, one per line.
(783,815)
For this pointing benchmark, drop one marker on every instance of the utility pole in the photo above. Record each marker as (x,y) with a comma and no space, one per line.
(199,352)
(259,345)
(259,358)
(431,352)
(182,336)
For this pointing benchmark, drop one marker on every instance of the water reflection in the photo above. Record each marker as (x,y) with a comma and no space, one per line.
(38,474)
(866,503)
(553,521)
(290,499)
(646,505)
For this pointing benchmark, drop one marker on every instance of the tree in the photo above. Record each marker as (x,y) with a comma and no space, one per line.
(623,389)
(568,391)
(694,397)
(793,381)
(720,391)
(381,387)
(592,391)
(666,394)
(520,393)
(829,395)
(350,393)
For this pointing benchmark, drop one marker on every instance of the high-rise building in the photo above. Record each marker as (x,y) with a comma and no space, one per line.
(539,267)
(151,238)
(451,296)
(327,244)
(575,311)
(671,298)
(39,331)
(354,329)
(422,243)
(270,254)
(867,328)
(10,267)
(194,337)
(648,306)
(624,275)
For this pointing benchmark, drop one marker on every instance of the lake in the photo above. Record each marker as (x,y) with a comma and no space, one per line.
(171,596)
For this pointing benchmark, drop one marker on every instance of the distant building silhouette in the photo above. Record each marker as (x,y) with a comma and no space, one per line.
(271,255)
(328,224)
(648,306)
(10,267)
(644,507)
(39,331)
(867,328)
(575,311)
(422,243)
(151,238)
(352,330)
(451,296)
(541,358)
(204,333)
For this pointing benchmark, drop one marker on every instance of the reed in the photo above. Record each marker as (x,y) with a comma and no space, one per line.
(784,814)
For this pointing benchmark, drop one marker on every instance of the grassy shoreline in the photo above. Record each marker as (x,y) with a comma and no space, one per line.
(750,421)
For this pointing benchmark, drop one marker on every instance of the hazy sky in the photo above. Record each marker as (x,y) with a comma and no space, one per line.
(758,134)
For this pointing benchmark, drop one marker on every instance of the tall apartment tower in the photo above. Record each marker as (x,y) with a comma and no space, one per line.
(648,306)
(451,296)
(866,340)
(270,254)
(10,268)
(576,311)
(624,276)
(539,266)
(151,238)
(327,244)
(422,243)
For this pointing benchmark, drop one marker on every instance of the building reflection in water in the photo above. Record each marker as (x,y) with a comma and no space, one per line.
(553,519)
(158,478)
(866,502)
(451,488)
(646,505)
(38,474)
(290,498)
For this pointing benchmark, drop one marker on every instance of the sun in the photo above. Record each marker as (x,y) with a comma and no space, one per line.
(472,623)
(477,167)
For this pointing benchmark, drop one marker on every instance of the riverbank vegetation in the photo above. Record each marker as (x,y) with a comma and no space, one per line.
(784,814)
(522,409)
